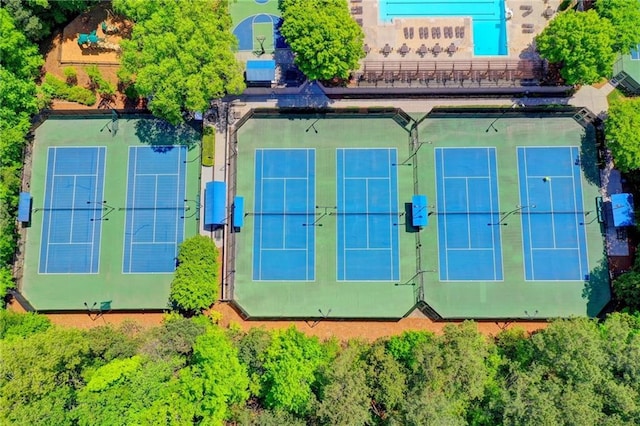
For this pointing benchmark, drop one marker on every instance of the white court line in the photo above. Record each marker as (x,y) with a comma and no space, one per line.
(444,216)
(470,249)
(281,177)
(74,175)
(344,217)
(155,209)
(284,216)
(553,219)
(160,243)
(466,188)
(575,206)
(368,177)
(391,219)
(69,244)
(554,176)
(163,174)
(466,177)
(493,231)
(95,200)
(180,201)
(133,200)
(366,209)
(53,181)
(556,248)
(284,249)
(369,249)
(73,203)
(261,208)
(526,177)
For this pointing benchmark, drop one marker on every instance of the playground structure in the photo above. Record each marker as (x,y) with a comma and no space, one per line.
(109,29)
(92,40)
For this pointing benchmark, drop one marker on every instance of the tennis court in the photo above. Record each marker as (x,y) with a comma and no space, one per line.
(553,216)
(468,214)
(284,211)
(109,211)
(333,229)
(154,223)
(368,216)
(71,225)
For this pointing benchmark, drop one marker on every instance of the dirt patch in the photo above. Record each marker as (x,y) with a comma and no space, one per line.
(343,330)
(64,51)
(367,330)
(109,35)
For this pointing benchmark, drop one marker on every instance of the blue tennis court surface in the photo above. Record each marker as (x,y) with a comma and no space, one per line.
(553,230)
(155,208)
(635,53)
(469,237)
(284,211)
(71,225)
(367,209)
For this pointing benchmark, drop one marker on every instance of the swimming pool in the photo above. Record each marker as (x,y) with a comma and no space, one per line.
(488,17)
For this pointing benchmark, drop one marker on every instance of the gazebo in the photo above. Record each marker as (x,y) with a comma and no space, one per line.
(626,71)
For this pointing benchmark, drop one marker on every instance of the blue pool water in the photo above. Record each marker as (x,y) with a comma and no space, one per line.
(488,17)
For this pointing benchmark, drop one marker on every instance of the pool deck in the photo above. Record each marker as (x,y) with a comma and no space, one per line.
(378,34)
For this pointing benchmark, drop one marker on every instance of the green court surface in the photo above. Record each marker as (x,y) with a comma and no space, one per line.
(242,9)
(110,288)
(419,282)
(263,31)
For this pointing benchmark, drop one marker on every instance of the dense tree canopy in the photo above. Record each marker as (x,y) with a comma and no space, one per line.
(622,130)
(195,285)
(575,372)
(37,18)
(582,42)
(19,66)
(327,42)
(181,54)
(625,17)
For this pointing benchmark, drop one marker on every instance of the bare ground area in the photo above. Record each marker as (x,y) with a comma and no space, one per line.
(343,330)
(64,51)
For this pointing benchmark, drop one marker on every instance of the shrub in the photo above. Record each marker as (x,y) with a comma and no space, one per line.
(195,285)
(56,88)
(102,86)
(208,145)
(131,92)
(71,75)
(16,325)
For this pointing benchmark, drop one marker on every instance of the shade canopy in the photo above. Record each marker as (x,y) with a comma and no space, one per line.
(261,71)
(622,206)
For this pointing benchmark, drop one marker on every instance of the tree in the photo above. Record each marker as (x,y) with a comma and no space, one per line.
(37,18)
(39,377)
(386,381)
(19,64)
(14,325)
(175,338)
(180,54)
(325,39)
(291,363)
(195,285)
(622,131)
(133,390)
(625,17)
(626,287)
(582,43)
(344,396)
(216,379)
(251,347)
